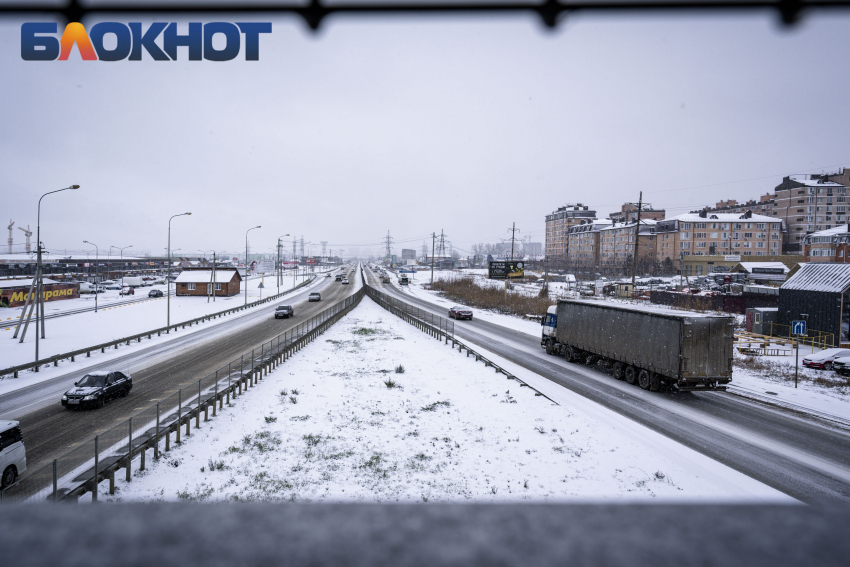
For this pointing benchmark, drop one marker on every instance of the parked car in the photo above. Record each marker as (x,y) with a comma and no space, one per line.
(457,312)
(315,296)
(284,312)
(113,286)
(13,454)
(95,388)
(127,291)
(842,366)
(345,281)
(824,359)
(155,293)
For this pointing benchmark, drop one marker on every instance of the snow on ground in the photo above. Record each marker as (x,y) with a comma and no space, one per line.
(337,422)
(81,330)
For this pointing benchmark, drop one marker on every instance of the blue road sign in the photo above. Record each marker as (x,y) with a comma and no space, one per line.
(798,327)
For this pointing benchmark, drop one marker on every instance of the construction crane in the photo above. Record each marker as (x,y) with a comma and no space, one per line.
(28,232)
(11,240)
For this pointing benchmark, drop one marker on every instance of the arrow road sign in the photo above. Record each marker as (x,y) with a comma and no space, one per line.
(798,328)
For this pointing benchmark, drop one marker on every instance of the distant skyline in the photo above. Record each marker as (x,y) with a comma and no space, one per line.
(417,125)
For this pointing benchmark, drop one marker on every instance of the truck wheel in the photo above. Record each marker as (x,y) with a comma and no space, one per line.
(618,370)
(630,374)
(548,347)
(643,379)
(654,382)
(570,354)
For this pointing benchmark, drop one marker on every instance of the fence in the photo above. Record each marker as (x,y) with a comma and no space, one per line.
(96,460)
(138,337)
(440,328)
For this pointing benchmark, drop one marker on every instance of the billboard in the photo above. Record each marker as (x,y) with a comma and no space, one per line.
(506,270)
(311,261)
(407,254)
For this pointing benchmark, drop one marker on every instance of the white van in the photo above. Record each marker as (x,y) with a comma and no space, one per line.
(13,455)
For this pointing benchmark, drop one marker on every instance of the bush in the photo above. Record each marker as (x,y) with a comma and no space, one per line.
(467,292)
(399,369)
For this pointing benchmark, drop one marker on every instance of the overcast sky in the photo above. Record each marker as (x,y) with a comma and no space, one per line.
(417,125)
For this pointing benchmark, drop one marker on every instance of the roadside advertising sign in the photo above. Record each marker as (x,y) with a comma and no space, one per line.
(506,270)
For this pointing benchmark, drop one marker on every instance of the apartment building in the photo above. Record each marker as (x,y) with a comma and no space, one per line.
(831,245)
(617,243)
(583,244)
(710,234)
(809,203)
(628,213)
(558,223)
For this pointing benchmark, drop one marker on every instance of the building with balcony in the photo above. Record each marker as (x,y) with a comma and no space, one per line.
(557,224)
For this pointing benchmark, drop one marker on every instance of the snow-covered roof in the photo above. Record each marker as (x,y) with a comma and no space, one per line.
(649,223)
(748,266)
(840,229)
(816,276)
(723,217)
(806,179)
(4,284)
(205,276)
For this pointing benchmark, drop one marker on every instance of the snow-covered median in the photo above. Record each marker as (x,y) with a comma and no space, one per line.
(342,421)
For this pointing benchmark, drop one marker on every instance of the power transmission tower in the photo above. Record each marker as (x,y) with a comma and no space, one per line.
(513,232)
(302,245)
(294,252)
(324,247)
(388,242)
(442,244)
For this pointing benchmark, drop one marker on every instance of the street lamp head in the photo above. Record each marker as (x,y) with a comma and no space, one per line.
(72,187)
(187,213)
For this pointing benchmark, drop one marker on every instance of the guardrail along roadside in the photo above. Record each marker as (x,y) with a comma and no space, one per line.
(81,470)
(139,336)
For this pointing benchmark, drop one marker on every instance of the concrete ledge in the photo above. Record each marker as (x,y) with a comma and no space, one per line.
(424,534)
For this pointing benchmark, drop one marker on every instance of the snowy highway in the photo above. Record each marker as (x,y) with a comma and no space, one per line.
(157,371)
(792,452)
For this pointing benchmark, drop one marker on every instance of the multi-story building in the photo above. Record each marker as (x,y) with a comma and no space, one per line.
(628,213)
(557,224)
(583,246)
(764,206)
(832,245)
(809,203)
(709,234)
(617,243)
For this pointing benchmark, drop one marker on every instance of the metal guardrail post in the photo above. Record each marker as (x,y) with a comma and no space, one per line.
(55,480)
(96,463)
(156,437)
(179,413)
(198,415)
(228,382)
(130,450)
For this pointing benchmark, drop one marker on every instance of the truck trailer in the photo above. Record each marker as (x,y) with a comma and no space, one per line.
(655,348)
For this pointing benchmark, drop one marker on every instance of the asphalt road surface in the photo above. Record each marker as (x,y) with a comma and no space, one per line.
(802,456)
(157,370)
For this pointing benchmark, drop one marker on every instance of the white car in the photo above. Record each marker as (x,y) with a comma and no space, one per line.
(823,360)
(13,454)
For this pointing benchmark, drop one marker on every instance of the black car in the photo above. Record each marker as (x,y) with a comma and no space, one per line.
(155,293)
(315,296)
(339,277)
(284,312)
(95,388)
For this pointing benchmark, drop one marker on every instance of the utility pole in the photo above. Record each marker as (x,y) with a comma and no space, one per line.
(513,232)
(637,236)
(433,244)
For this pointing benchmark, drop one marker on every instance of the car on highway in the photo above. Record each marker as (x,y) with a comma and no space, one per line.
(345,281)
(284,312)
(155,293)
(457,312)
(328,275)
(95,388)
(824,359)
(13,454)
(339,277)
(315,296)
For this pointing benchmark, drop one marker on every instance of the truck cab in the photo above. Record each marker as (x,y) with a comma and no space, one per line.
(548,322)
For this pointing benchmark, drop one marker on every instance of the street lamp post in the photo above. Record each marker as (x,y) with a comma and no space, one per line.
(168,282)
(246,262)
(213,275)
(96,269)
(122,260)
(279,267)
(39,296)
